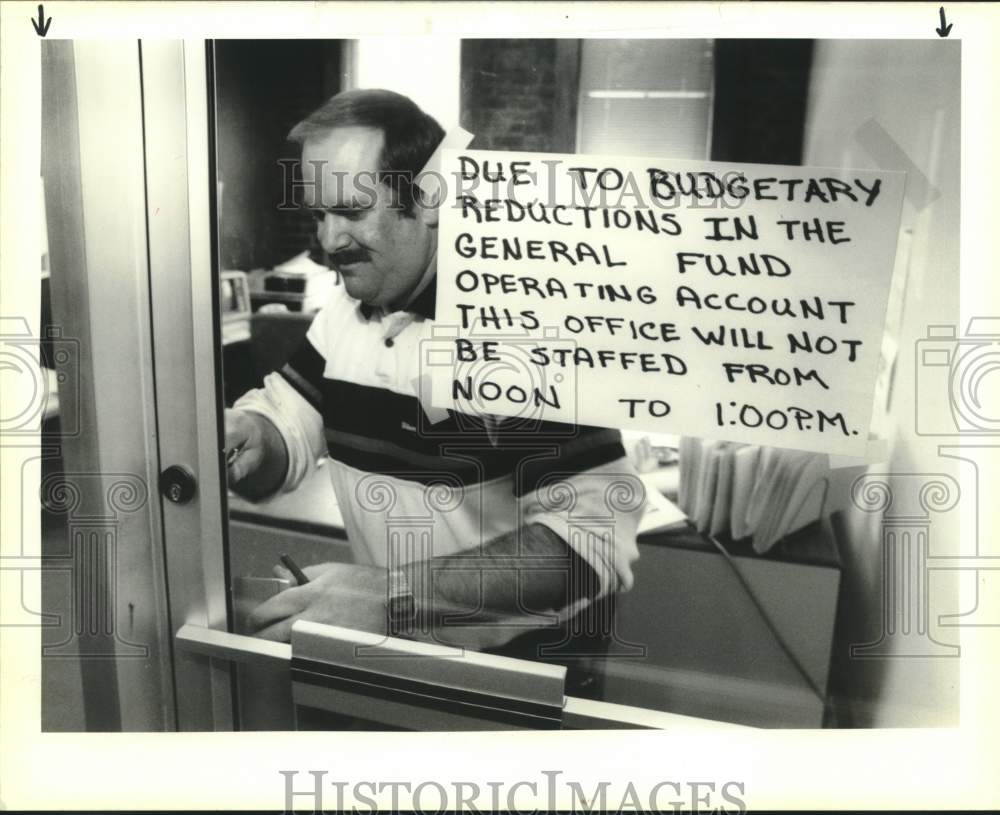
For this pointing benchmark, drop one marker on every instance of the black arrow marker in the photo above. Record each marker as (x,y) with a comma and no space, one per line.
(945,28)
(41,24)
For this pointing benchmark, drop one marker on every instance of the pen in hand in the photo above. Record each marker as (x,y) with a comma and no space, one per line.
(234,453)
(293,567)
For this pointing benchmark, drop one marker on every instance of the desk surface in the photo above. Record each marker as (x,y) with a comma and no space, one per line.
(715,638)
(312,509)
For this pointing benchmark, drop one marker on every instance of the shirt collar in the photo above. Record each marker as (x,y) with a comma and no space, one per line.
(425,299)
(421,302)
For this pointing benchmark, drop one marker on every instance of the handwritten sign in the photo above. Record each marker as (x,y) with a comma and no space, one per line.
(734,301)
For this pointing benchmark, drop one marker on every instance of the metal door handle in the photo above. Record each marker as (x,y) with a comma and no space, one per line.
(178,484)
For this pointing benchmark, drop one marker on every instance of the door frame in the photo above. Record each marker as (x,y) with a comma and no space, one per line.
(184,300)
(94,165)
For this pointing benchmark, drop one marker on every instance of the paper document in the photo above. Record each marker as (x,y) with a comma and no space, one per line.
(660,513)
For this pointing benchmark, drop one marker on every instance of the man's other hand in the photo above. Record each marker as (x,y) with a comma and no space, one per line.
(337,594)
(244,433)
(255,452)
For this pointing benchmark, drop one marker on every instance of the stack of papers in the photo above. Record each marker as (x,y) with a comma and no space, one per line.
(747,491)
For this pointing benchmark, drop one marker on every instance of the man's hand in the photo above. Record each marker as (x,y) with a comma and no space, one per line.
(337,594)
(496,584)
(243,433)
(259,467)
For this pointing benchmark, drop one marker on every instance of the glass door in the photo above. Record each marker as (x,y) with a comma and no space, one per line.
(235,278)
(273,277)
(132,505)
(177,279)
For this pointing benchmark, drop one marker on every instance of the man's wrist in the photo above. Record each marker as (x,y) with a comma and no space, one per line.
(429,609)
(400,606)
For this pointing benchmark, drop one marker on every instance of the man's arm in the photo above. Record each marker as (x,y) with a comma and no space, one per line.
(528,570)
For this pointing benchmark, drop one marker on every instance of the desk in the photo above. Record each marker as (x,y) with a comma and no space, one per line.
(707,653)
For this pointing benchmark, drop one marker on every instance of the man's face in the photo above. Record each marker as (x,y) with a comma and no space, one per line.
(380,252)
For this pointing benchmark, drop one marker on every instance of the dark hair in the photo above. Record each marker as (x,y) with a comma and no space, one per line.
(411,136)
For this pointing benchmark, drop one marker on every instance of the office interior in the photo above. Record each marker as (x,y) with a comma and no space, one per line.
(808,634)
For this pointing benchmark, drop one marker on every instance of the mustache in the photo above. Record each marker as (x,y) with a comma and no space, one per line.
(346,256)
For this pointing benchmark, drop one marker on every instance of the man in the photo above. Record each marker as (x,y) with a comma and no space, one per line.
(491,550)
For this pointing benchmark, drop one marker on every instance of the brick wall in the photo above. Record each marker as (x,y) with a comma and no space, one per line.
(520,94)
(263,88)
